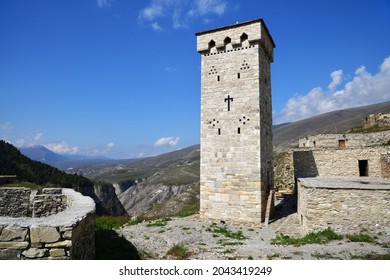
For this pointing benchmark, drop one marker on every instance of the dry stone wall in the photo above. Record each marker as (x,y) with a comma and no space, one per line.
(69,234)
(50,202)
(14,202)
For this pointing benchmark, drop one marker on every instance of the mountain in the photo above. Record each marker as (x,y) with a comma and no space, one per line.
(42,154)
(339,121)
(68,162)
(163,185)
(177,167)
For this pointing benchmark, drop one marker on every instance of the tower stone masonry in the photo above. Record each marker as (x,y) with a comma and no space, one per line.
(236,170)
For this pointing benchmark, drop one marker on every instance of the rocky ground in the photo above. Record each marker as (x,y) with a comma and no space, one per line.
(199,239)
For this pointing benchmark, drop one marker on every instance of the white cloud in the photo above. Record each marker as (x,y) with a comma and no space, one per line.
(29,141)
(141,154)
(38,137)
(337,77)
(167,141)
(110,145)
(204,7)
(104,3)
(156,27)
(363,89)
(180,11)
(153,11)
(62,148)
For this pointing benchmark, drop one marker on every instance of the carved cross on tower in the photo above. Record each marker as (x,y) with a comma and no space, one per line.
(228,99)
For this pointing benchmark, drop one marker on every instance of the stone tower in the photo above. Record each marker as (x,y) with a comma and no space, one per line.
(236,171)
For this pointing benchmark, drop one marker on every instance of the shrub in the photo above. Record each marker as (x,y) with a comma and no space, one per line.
(111,222)
(320,237)
(360,237)
(226,232)
(178,252)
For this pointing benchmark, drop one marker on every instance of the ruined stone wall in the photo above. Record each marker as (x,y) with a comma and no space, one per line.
(350,140)
(337,162)
(14,202)
(236,170)
(342,203)
(379,119)
(69,234)
(50,202)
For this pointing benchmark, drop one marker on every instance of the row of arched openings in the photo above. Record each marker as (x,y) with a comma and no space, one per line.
(228,40)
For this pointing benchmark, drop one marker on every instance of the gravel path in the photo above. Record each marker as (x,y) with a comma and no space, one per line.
(153,241)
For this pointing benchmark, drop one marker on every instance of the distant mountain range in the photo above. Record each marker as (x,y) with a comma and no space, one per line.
(64,162)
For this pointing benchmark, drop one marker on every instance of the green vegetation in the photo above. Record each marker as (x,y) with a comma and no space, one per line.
(12,162)
(320,237)
(159,223)
(114,222)
(178,252)
(274,255)
(372,257)
(217,230)
(228,251)
(229,243)
(360,237)
(23,185)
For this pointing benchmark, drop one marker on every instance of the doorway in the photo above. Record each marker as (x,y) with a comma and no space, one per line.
(363,168)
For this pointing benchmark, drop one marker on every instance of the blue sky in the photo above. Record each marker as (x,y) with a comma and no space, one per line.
(121,78)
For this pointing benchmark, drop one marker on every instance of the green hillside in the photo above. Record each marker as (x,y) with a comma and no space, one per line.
(12,162)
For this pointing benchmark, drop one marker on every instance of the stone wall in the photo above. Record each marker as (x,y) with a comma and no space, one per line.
(69,234)
(343,203)
(338,162)
(50,202)
(14,202)
(385,164)
(345,140)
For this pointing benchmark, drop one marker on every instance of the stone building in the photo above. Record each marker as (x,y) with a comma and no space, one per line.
(356,155)
(342,181)
(236,171)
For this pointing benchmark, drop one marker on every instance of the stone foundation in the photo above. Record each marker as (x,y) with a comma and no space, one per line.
(69,234)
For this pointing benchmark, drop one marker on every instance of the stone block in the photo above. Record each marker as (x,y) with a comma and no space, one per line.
(57,252)
(10,254)
(11,233)
(60,244)
(14,245)
(34,253)
(44,235)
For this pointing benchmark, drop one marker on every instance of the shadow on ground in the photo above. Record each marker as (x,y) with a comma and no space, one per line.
(110,246)
(286,207)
